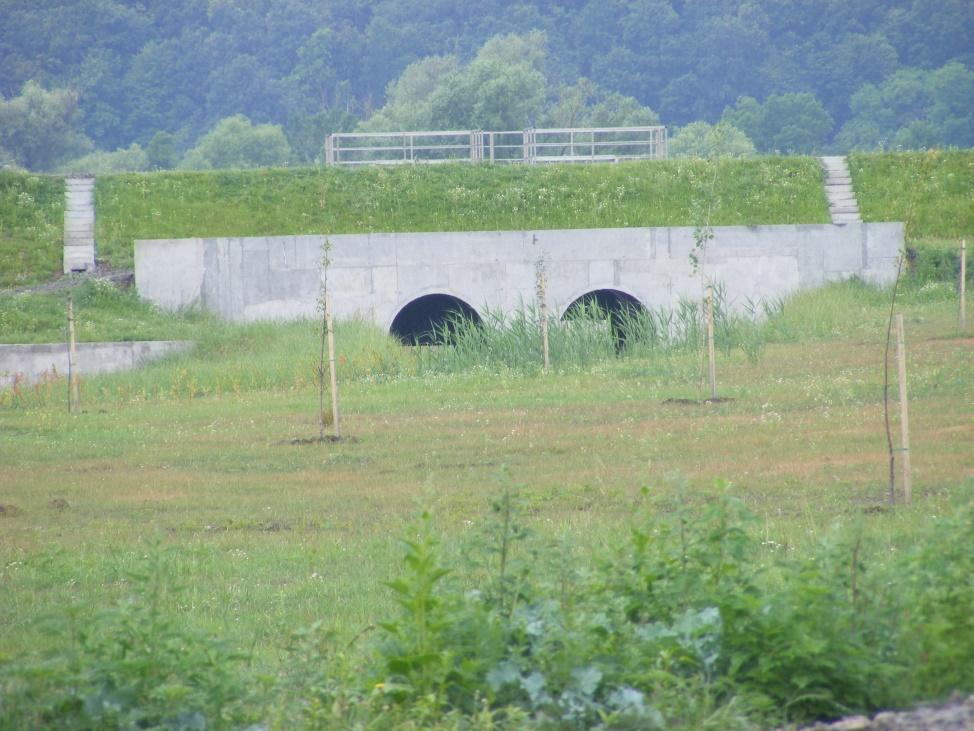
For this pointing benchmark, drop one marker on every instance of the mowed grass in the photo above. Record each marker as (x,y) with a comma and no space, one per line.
(269,535)
(31,228)
(931,191)
(451,198)
(414,198)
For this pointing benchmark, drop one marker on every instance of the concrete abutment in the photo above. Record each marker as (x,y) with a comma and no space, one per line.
(375,276)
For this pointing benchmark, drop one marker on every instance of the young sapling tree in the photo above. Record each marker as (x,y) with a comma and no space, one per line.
(541,291)
(326,344)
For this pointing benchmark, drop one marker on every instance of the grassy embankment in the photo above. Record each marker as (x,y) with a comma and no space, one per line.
(179,487)
(932,190)
(433,198)
(31,228)
(932,193)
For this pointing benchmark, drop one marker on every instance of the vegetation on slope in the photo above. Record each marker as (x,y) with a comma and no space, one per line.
(450,198)
(932,191)
(31,227)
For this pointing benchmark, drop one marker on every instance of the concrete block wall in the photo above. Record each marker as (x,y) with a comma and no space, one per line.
(375,275)
(31,362)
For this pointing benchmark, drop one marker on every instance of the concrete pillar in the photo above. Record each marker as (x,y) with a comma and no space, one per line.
(79,223)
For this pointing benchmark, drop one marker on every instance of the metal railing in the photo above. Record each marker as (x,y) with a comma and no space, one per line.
(564,145)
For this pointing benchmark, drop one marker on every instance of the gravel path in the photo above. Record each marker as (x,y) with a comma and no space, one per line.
(119,277)
(955,715)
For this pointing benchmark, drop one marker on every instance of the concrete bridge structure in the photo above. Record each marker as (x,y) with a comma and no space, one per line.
(403,282)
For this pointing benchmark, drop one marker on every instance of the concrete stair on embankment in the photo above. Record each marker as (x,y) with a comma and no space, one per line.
(843,207)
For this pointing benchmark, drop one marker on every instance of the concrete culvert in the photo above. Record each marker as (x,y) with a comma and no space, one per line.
(618,307)
(426,320)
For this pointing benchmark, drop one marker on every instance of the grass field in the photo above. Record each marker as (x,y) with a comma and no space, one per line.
(189,464)
(490,548)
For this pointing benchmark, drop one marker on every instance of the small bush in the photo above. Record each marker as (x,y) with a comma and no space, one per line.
(135,665)
(690,621)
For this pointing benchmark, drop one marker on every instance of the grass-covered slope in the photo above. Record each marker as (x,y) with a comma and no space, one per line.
(931,191)
(432,198)
(31,227)
(452,198)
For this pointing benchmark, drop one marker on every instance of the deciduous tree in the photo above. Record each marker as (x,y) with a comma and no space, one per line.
(235,143)
(38,127)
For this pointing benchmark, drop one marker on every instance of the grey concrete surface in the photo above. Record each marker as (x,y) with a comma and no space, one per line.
(33,363)
(79,224)
(375,275)
(843,206)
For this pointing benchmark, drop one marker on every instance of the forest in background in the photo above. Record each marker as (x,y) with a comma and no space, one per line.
(109,85)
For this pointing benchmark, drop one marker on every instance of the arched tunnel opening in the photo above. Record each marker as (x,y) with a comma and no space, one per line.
(430,319)
(619,308)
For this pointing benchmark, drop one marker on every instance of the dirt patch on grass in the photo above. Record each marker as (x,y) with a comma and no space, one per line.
(697,402)
(141,495)
(328,439)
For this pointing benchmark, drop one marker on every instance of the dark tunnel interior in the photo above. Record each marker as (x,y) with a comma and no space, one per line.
(615,305)
(428,319)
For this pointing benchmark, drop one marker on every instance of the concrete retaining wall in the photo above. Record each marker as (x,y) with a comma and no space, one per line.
(31,363)
(375,275)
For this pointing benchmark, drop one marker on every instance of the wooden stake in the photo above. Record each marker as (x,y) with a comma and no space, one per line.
(904,411)
(543,306)
(702,343)
(710,341)
(541,290)
(331,367)
(963,286)
(74,396)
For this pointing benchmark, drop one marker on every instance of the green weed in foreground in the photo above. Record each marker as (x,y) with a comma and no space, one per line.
(574,604)
(688,622)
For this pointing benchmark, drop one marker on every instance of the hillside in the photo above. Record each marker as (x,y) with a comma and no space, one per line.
(765,190)
(151,80)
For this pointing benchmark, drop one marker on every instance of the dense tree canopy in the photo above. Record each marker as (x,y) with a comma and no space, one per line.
(37,127)
(699,139)
(914,109)
(122,72)
(786,123)
(236,143)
